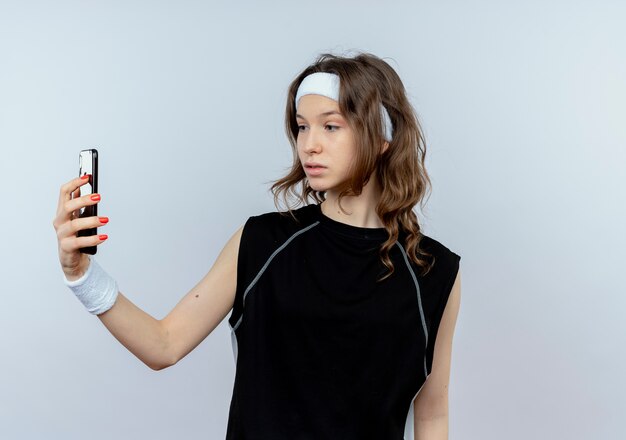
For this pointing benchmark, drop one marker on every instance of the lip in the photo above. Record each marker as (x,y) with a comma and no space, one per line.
(314,171)
(313,164)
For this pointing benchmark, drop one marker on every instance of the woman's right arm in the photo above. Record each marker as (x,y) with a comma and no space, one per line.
(157,343)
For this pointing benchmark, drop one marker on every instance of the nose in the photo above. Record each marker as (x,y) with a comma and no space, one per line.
(310,141)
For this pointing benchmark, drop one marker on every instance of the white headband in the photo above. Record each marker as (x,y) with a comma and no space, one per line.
(327,84)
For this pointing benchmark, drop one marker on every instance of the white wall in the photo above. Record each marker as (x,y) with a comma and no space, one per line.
(523,107)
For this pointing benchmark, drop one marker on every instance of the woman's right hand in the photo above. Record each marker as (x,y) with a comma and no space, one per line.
(67,223)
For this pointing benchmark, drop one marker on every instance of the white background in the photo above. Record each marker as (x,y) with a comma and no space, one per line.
(523,108)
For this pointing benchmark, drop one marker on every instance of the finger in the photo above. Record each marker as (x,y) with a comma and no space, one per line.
(69,187)
(75,195)
(75,205)
(65,193)
(72,227)
(72,243)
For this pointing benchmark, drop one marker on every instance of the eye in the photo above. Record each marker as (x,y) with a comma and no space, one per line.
(332,127)
(301,127)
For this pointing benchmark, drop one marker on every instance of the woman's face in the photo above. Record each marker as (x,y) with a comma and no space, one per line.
(326,139)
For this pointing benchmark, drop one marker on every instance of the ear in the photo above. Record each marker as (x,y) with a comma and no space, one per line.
(385,146)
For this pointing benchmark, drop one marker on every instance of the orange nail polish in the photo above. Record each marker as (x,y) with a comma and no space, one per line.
(95,197)
(103,237)
(85,176)
(103,219)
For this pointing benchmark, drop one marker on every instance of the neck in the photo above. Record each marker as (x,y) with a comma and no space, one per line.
(359,210)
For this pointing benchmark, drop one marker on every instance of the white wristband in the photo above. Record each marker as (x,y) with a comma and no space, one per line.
(96,289)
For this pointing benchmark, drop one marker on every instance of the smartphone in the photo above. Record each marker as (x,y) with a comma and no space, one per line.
(88,164)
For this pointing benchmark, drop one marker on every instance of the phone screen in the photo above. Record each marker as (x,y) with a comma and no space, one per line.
(88,164)
(86,167)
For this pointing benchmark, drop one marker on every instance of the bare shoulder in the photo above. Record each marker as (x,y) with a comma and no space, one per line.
(432,401)
(202,309)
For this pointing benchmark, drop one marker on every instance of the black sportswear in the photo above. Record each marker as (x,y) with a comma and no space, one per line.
(323,351)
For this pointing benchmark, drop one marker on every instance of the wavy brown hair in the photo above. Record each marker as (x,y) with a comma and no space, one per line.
(365,82)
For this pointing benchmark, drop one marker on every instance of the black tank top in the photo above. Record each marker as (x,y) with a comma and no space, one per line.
(322,350)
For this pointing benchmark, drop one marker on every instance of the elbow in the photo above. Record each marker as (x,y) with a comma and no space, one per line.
(166,357)
(162,362)
(158,366)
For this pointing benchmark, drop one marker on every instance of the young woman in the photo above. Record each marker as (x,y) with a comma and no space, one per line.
(342,311)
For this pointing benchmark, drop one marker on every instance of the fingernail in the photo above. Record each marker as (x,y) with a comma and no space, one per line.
(85,176)
(103,237)
(95,197)
(103,219)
